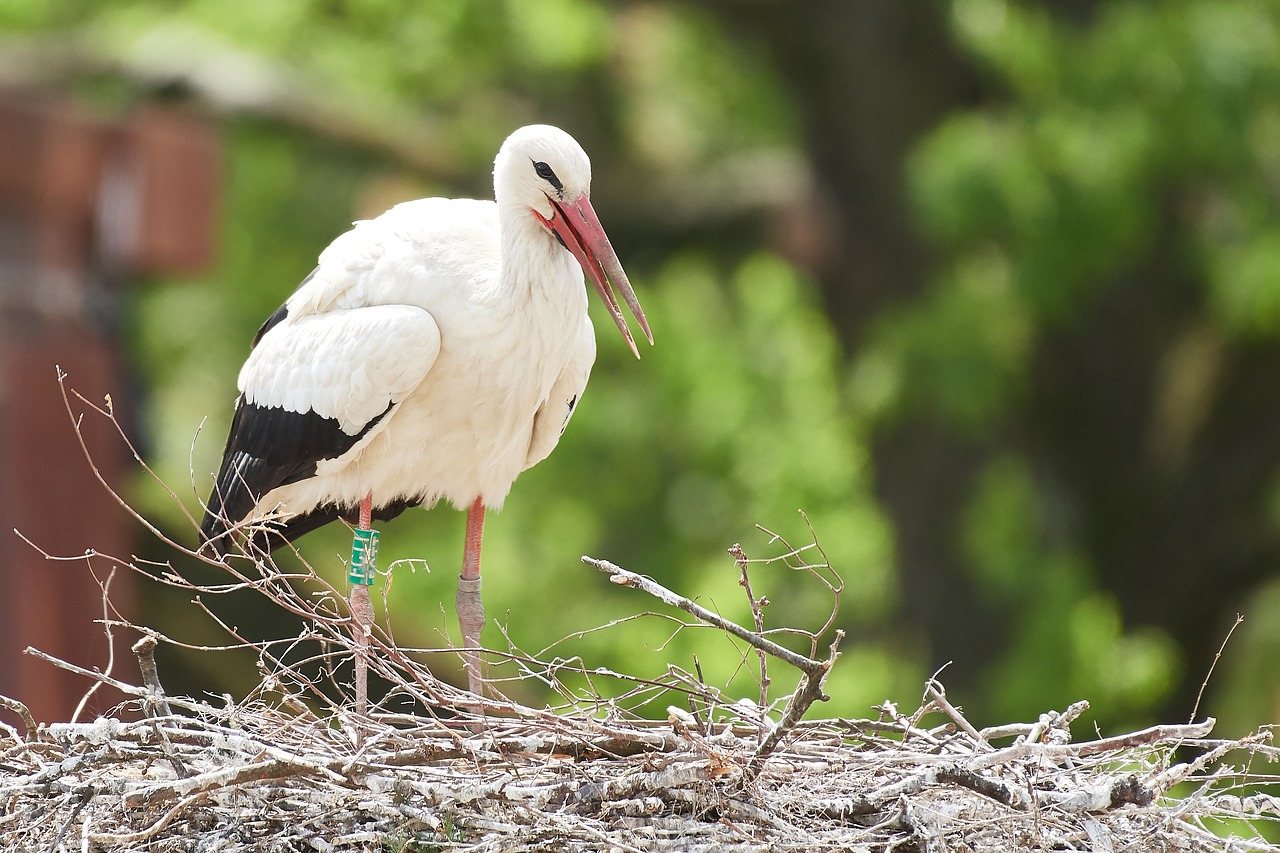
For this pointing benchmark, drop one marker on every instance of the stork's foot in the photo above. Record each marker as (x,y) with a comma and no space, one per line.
(470,610)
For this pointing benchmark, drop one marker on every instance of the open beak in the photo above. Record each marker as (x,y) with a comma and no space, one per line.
(579,229)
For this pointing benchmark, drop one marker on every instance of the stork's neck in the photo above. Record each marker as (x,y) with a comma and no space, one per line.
(532,259)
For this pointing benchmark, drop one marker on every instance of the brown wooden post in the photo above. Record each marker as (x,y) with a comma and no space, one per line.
(85,206)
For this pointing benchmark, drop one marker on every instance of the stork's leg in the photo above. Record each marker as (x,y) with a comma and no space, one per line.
(468,604)
(362,614)
(366,512)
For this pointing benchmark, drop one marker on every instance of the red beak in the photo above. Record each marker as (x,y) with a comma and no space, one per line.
(580,231)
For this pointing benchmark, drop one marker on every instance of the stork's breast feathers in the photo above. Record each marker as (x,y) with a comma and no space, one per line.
(348,365)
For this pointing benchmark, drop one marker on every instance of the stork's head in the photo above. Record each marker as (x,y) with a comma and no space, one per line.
(544,170)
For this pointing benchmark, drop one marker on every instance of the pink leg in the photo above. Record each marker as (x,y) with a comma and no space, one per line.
(366,512)
(468,604)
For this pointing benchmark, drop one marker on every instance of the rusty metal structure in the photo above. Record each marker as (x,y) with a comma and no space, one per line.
(88,207)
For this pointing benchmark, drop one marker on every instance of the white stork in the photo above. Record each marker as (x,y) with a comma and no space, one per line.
(433,354)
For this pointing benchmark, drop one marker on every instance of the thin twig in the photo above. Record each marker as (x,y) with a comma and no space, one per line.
(1195,708)
(821,572)
(757,611)
(109,414)
(111,643)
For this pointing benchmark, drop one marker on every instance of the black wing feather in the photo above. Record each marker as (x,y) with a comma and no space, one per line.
(270,447)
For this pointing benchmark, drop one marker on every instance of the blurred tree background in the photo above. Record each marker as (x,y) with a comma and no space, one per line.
(989,289)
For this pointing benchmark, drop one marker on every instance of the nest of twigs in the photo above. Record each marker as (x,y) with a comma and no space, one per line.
(273,773)
(251,778)
(310,761)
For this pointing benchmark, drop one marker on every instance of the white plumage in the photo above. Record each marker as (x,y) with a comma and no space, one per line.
(435,353)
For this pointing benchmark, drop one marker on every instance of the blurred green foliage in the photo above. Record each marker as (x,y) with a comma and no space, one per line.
(1151,125)
(1067,635)
(1152,128)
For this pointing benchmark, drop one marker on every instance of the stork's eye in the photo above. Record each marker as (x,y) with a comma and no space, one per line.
(547,174)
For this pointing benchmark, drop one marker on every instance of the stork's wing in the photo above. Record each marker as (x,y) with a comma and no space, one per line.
(313,389)
(554,413)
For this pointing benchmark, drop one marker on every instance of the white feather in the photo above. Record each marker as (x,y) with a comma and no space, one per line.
(348,364)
